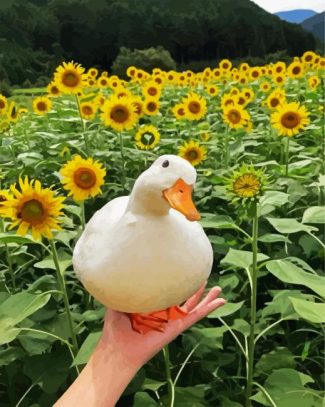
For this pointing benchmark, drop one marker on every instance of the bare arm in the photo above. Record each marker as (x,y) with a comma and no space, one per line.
(121,352)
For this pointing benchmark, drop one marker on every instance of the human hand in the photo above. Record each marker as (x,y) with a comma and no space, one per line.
(136,348)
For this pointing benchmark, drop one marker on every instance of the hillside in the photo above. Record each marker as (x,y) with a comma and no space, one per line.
(315,25)
(296,16)
(93,31)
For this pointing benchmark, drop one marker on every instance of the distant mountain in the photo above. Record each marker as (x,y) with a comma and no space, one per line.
(295,16)
(316,25)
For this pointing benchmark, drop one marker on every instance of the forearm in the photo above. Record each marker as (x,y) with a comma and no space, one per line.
(101,382)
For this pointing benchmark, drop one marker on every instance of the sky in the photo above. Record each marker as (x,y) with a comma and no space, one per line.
(283,5)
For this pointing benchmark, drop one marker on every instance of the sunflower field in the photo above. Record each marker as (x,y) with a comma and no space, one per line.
(255,135)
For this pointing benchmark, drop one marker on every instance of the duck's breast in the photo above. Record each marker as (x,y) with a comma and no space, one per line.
(147,263)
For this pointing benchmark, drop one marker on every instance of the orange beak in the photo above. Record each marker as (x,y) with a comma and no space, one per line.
(179,197)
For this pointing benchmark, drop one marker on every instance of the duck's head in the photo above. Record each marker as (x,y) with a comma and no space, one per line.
(168,183)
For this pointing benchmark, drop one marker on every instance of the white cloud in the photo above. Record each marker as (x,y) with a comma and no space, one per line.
(283,5)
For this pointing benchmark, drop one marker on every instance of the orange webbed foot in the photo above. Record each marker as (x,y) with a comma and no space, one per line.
(156,321)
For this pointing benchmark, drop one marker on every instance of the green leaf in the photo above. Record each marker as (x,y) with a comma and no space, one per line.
(49,371)
(314,214)
(311,311)
(190,396)
(87,348)
(281,304)
(12,238)
(209,337)
(65,262)
(276,359)
(218,222)
(290,225)
(9,355)
(273,238)
(19,306)
(142,399)
(287,387)
(274,198)
(153,385)
(241,258)
(225,310)
(289,273)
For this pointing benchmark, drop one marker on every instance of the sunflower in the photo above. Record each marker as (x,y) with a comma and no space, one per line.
(279,79)
(137,102)
(195,106)
(82,177)
(4,196)
(12,112)
(93,72)
(279,68)
(290,118)
(179,111)
(247,183)
(70,77)
(225,64)
(147,137)
(313,82)
(235,116)
(265,86)
(131,71)
(4,126)
(295,70)
(52,89)
(33,207)
(151,90)
(216,73)
(3,103)
(103,82)
(248,93)
(243,79)
(276,98)
(88,110)
(193,152)
(244,67)
(212,90)
(308,57)
(42,105)
(119,113)
(255,72)
(151,106)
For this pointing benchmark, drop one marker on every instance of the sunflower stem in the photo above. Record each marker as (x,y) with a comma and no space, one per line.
(227,148)
(122,160)
(170,384)
(8,257)
(83,216)
(251,341)
(86,140)
(287,155)
(65,296)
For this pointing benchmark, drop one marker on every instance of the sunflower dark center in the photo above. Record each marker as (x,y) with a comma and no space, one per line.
(194,107)
(192,155)
(296,70)
(2,104)
(119,114)
(41,106)
(32,212)
(87,110)
(152,91)
(234,116)
(308,58)
(274,102)
(181,111)
(70,79)
(290,120)
(151,106)
(84,178)
(147,139)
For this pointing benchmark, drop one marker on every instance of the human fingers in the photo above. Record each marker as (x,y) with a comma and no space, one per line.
(193,301)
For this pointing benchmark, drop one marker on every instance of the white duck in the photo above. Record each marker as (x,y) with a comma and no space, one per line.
(145,252)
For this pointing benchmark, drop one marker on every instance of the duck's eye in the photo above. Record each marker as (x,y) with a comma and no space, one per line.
(165,164)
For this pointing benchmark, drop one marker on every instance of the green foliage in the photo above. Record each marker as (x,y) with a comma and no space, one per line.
(146,59)
(93,32)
